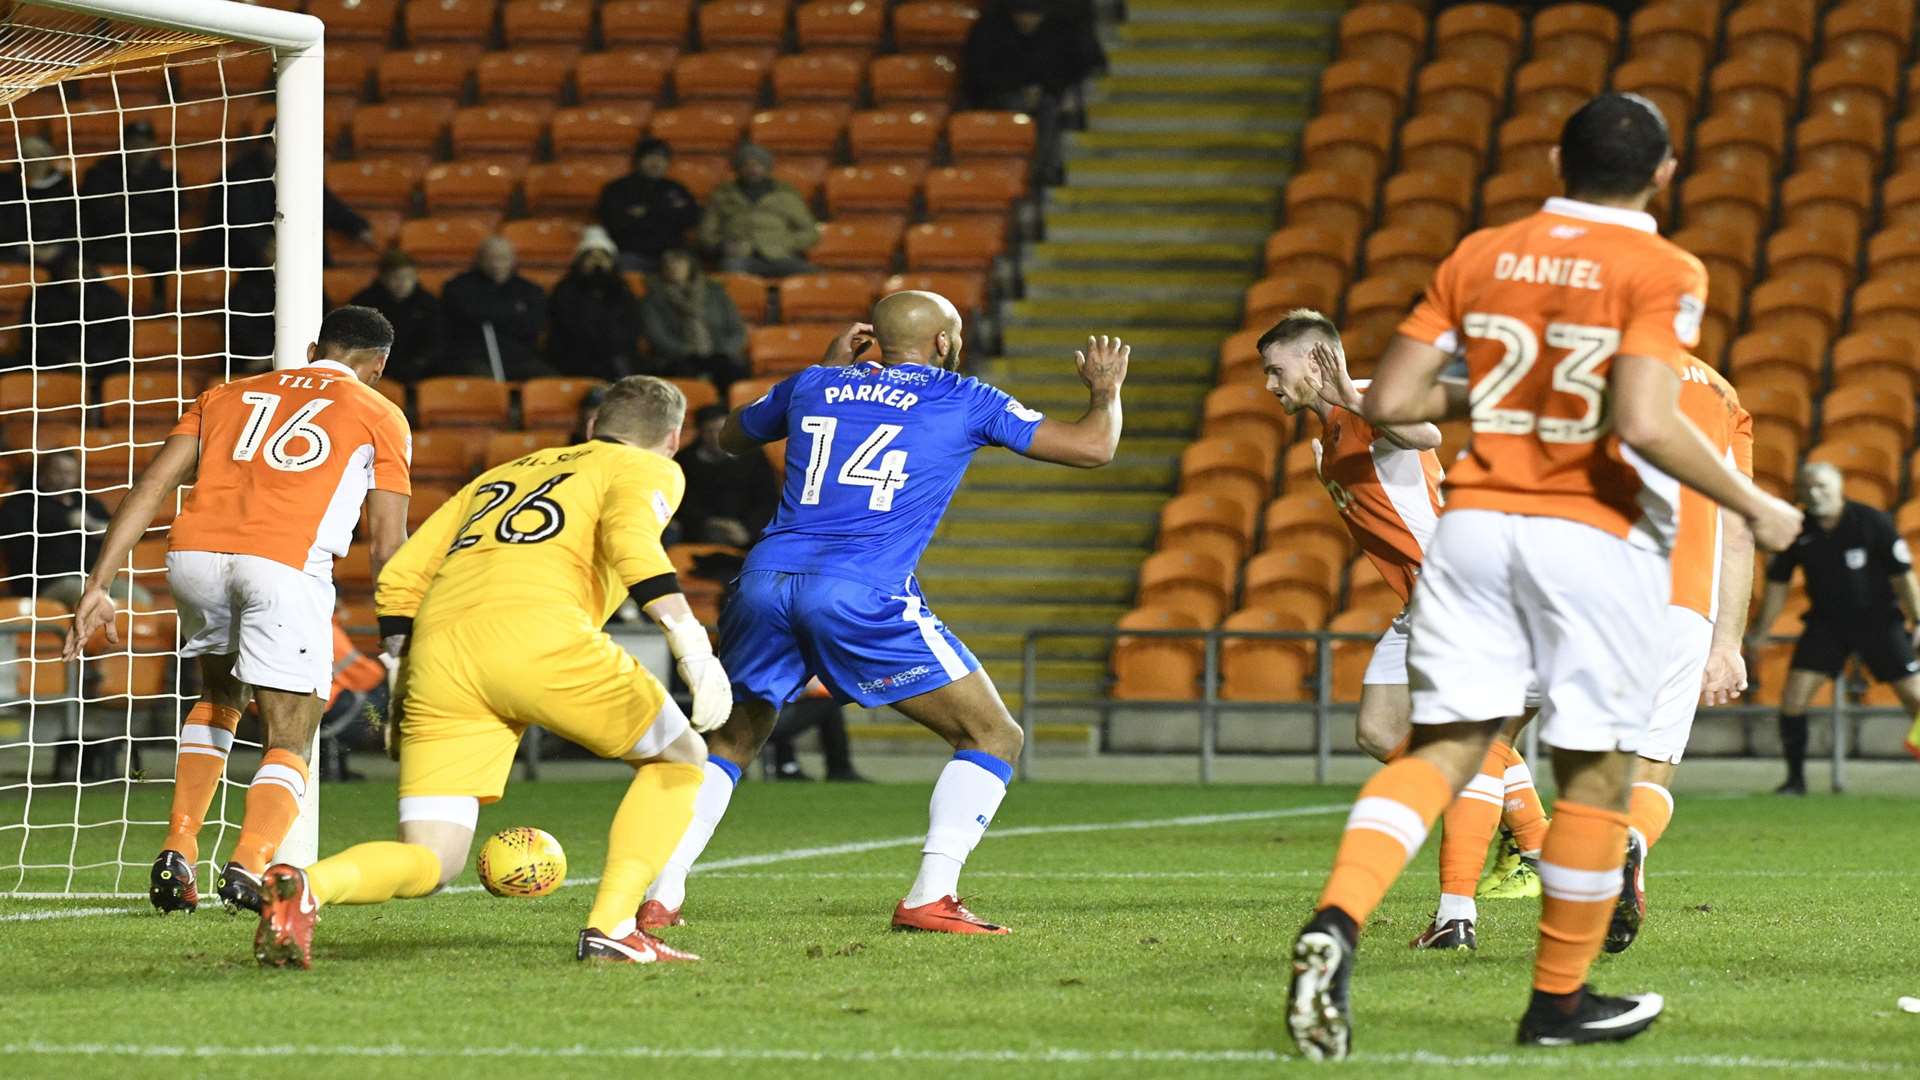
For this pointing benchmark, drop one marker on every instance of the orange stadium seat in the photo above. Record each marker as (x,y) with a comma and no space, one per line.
(634,77)
(933,25)
(1889,306)
(1525,141)
(1840,140)
(873,189)
(1157,668)
(1407,253)
(1471,88)
(1350,658)
(1269,298)
(718,76)
(463,21)
(546,22)
(748,293)
(1743,87)
(836,298)
(1299,470)
(554,402)
(1868,28)
(1900,194)
(538,75)
(1245,410)
(1806,305)
(1726,249)
(1392,34)
(1724,200)
(461,187)
(1328,198)
(985,187)
(1846,412)
(1853,83)
(375,184)
(1237,468)
(785,349)
(1446,144)
(701,174)
(443,241)
(1556,86)
(1256,669)
(806,77)
(1774,356)
(433,72)
(504,446)
(369,21)
(1682,29)
(1284,579)
(1588,33)
(608,132)
(1213,524)
(499,132)
(746,391)
(543,242)
(1363,86)
(1312,253)
(813,129)
(905,132)
(1871,471)
(860,244)
(1772,31)
(742,23)
(913,78)
(645,22)
(989,134)
(1186,581)
(962,243)
(1509,196)
(1441,203)
(459,401)
(1347,144)
(852,25)
(1751,143)
(1487,33)
(1861,355)
(568,188)
(407,127)
(1894,251)
(443,457)
(699,129)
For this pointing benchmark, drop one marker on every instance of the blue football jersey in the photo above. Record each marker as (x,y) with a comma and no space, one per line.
(874,454)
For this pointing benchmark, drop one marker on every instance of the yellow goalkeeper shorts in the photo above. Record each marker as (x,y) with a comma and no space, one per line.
(469,689)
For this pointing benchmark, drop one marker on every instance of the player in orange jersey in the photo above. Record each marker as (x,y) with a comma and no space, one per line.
(1549,564)
(280,465)
(1386,484)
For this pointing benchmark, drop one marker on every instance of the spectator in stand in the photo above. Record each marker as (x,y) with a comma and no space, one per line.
(645,212)
(250,295)
(692,324)
(494,317)
(129,205)
(50,532)
(1029,56)
(37,200)
(74,317)
(593,320)
(245,204)
(729,499)
(414,313)
(757,224)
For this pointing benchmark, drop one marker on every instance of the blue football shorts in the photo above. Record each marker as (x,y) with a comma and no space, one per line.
(867,645)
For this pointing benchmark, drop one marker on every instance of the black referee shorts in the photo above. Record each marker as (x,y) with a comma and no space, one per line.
(1883,647)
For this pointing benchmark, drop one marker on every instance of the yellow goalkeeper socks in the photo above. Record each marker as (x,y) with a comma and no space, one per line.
(646,829)
(374,873)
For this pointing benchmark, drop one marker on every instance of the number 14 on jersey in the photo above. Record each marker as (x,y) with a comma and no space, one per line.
(859,470)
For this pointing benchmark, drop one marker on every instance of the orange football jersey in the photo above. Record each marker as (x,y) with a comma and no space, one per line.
(286,459)
(1539,308)
(1710,402)
(1388,495)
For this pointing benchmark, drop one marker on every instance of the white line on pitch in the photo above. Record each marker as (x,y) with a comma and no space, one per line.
(1046,1056)
(789,855)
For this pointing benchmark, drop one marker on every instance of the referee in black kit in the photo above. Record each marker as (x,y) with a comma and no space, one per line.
(1864,596)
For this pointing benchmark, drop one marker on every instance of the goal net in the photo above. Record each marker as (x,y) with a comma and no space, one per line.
(160,166)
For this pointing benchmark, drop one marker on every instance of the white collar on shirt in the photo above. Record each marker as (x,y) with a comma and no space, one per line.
(334,364)
(1606,215)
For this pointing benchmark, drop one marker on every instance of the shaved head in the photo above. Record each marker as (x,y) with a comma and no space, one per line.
(917,328)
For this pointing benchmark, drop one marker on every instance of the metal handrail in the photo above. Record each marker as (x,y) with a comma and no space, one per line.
(1840,712)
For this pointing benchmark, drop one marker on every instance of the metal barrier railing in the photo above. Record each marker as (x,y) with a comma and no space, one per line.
(1841,712)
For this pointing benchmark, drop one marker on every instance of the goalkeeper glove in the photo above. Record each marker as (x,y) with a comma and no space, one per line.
(701,671)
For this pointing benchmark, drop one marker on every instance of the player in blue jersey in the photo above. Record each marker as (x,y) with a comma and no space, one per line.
(875,449)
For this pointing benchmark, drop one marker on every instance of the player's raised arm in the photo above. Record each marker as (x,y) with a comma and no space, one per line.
(1337,388)
(1089,442)
(174,465)
(1407,388)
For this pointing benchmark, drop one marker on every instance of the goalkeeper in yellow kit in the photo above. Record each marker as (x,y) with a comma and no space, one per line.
(496,606)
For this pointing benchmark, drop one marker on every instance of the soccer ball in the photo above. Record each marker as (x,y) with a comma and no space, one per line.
(522,861)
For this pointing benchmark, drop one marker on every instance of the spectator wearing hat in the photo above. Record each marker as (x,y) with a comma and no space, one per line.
(414,313)
(494,317)
(1029,56)
(729,499)
(593,319)
(129,205)
(37,199)
(757,224)
(691,323)
(645,212)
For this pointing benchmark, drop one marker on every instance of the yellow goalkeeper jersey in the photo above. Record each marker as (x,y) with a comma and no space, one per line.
(564,529)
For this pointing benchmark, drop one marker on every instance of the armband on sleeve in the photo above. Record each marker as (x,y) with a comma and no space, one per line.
(392,625)
(647,591)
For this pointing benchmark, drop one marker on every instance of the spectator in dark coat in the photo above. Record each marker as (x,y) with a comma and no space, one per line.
(74,315)
(37,200)
(414,313)
(729,499)
(593,320)
(644,211)
(692,324)
(1028,55)
(245,203)
(494,317)
(250,296)
(50,533)
(129,205)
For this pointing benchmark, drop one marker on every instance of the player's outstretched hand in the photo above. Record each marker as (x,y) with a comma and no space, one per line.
(94,612)
(852,341)
(1777,523)
(1103,366)
(712,691)
(1336,386)
(1725,677)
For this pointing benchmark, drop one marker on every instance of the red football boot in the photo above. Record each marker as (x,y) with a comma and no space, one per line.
(287,915)
(638,947)
(655,915)
(946,915)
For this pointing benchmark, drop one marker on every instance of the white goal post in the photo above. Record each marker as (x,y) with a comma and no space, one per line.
(60,839)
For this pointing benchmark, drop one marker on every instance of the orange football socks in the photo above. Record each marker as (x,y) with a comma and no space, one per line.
(1388,824)
(1468,826)
(1580,879)
(273,801)
(1649,810)
(206,737)
(1524,817)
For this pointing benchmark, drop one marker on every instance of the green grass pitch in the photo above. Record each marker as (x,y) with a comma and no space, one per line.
(1781,931)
